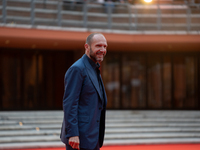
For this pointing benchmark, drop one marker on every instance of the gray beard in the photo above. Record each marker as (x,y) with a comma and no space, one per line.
(93,57)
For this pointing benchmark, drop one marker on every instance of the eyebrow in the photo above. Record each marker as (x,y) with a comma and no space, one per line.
(101,44)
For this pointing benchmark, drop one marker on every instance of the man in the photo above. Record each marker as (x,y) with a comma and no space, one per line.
(84,101)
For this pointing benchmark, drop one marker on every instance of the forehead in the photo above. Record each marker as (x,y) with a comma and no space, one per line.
(99,39)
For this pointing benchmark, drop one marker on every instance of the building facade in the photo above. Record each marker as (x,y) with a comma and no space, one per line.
(153,59)
(139,71)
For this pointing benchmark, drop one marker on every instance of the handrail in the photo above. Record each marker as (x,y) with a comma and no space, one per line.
(120,16)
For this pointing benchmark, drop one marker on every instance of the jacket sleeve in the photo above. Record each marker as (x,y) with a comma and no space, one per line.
(73,83)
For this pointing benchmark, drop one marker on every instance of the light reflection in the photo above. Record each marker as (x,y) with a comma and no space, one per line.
(148,1)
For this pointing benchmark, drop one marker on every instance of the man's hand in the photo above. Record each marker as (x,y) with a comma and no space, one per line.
(74,142)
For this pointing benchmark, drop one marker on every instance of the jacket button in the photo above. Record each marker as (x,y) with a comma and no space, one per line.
(97,120)
(100,108)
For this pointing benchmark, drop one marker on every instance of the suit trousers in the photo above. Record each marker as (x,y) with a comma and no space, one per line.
(68,147)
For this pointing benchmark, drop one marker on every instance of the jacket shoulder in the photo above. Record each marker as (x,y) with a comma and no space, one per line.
(78,66)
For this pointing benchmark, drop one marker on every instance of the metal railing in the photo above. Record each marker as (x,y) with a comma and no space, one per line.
(160,15)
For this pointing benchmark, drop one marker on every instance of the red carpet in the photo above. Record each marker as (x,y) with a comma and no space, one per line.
(140,147)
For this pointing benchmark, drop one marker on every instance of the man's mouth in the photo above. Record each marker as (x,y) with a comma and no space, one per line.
(99,53)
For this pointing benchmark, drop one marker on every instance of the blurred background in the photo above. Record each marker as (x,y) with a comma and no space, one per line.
(152,64)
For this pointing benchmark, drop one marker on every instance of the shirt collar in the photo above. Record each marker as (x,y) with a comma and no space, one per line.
(93,64)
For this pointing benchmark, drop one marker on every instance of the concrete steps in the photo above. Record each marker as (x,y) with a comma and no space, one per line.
(29,129)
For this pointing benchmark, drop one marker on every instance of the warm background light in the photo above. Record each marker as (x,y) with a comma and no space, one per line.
(148,1)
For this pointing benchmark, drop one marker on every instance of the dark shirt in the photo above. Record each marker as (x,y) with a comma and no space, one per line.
(93,64)
(96,67)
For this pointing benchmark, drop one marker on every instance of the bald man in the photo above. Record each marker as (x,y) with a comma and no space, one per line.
(84,100)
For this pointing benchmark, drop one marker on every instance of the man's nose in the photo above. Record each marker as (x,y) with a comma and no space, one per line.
(103,49)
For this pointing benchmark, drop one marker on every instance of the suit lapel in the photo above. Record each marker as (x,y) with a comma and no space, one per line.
(92,75)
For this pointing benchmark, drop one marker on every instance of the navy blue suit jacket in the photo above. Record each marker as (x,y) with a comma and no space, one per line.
(84,112)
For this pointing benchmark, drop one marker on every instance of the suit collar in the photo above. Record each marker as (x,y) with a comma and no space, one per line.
(91,69)
(92,63)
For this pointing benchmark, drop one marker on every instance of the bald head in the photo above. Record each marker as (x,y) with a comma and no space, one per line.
(90,38)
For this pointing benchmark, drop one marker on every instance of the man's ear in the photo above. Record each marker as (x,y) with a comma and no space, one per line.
(86,47)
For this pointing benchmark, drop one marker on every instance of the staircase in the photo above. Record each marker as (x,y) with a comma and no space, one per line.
(34,129)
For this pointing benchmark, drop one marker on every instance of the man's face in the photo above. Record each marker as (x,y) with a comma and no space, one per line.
(97,50)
